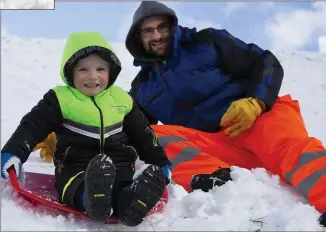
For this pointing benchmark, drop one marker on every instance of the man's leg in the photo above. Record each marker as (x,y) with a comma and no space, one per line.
(279,138)
(194,152)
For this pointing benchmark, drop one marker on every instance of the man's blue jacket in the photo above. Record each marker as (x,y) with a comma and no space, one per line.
(207,71)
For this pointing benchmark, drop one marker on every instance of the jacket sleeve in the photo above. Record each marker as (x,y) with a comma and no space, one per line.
(134,91)
(250,61)
(35,126)
(143,137)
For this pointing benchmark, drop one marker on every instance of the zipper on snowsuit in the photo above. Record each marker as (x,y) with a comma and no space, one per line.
(60,164)
(101,128)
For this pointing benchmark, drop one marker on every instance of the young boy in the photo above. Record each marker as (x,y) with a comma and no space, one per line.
(100,133)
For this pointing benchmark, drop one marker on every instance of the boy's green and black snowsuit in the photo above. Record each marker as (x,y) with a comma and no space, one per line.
(85,126)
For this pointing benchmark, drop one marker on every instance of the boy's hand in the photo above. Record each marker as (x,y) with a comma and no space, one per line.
(167,170)
(9,160)
(48,147)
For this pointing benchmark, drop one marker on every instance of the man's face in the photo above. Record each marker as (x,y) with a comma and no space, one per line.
(155,34)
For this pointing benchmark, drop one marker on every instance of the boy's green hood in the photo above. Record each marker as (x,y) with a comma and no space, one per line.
(81,44)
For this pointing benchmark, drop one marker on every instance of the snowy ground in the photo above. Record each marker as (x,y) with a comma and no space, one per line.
(254,200)
(26,4)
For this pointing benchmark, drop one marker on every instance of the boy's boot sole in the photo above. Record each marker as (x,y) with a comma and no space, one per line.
(142,195)
(99,181)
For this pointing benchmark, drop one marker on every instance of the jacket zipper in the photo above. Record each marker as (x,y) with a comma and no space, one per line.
(101,128)
(161,75)
(60,164)
(161,78)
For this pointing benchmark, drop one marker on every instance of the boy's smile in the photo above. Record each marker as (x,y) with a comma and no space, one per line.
(91,75)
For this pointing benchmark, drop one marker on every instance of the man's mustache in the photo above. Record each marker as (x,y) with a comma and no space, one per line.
(158,41)
(167,50)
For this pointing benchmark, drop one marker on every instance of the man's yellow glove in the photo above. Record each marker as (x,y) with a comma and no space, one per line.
(241,115)
(48,147)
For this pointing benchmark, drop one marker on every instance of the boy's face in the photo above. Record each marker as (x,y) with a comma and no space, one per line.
(91,75)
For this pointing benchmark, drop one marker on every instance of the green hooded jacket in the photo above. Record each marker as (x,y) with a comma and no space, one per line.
(110,122)
(99,116)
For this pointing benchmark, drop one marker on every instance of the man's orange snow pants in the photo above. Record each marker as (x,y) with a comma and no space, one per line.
(278,141)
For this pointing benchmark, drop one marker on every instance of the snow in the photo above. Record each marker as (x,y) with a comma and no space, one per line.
(26,4)
(255,200)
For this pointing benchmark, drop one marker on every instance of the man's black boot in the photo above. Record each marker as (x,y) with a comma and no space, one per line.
(205,182)
(322,220)
(99,180)
(141,196)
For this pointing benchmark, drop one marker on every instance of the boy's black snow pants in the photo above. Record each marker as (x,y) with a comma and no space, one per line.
(70,185)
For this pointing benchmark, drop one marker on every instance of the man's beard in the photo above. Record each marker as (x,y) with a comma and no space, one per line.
(168,50)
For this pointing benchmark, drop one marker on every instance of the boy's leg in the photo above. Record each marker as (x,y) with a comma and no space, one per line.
(279,138)
(70,186)
(88,190)
(136,200)
(124,178)
(194,152)
(99,181)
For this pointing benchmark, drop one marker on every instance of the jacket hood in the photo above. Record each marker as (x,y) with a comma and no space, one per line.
(79,45)
(145,10)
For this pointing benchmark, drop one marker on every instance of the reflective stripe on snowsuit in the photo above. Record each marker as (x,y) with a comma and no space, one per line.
(278,141)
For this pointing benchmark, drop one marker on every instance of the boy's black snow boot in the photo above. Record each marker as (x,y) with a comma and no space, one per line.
(205,182)
(141,196)
(99,180)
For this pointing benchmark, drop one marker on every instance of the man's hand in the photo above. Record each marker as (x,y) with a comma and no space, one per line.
(48,147)
(241,115)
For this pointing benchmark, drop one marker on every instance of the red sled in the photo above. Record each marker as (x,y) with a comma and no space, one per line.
(39,190)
